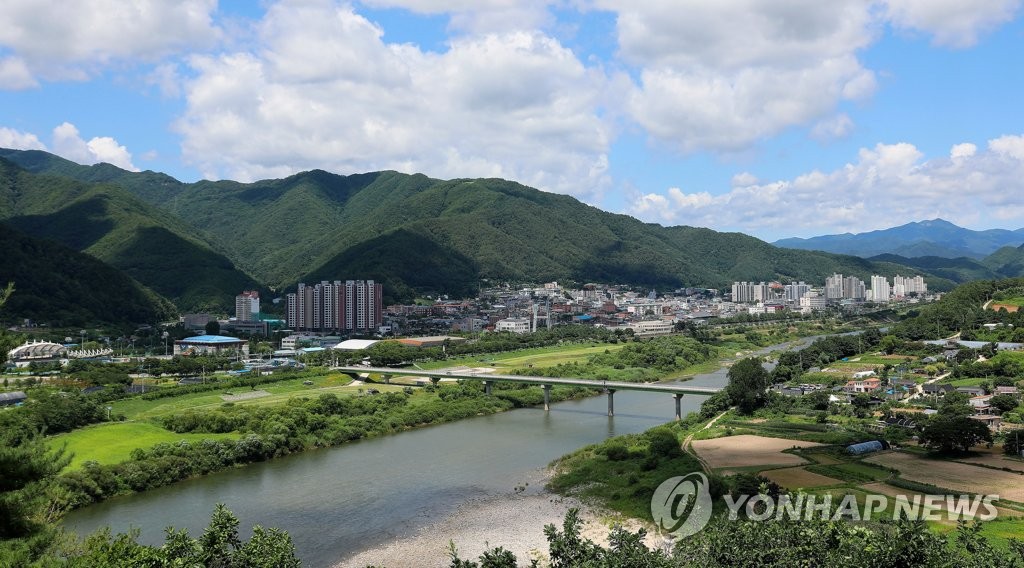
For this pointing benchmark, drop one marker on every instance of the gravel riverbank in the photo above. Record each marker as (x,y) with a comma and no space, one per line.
(514,521)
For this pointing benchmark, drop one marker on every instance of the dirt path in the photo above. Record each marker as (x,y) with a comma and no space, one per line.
(688,442)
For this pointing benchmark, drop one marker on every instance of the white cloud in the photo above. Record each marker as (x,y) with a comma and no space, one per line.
(68,143)
(479,16)
(887,185)
(57,39)
(15,75)
(516,105)
(965,150)
(838,126)
(724,75)
(17,140)
(952,23)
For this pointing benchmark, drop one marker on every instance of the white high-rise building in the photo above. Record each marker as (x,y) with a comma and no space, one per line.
(834,287)
(880,290)
(903,286)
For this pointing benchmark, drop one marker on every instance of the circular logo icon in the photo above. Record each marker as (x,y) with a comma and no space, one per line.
(681,506)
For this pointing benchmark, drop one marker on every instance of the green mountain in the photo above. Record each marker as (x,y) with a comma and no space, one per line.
(106,221)
(418,234)
(1007,262)
(936,237)
(63,287)
(958,270)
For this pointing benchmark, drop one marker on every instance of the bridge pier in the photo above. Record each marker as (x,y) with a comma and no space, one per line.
(547,397)
(487,388)
(679,408)
(611,402)
(387,379)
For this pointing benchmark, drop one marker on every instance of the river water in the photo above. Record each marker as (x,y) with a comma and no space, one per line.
(339,501)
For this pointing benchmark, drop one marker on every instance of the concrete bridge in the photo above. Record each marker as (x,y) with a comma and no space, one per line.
(609,387)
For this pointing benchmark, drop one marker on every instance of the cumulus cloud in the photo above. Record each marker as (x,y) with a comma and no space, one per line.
(887,185)
(479,16)
(724,75)
(57,40)
(952,23)
(17,140)
(324,90)
(68,143)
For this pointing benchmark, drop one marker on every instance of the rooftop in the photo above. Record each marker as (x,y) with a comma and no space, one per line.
(208,339)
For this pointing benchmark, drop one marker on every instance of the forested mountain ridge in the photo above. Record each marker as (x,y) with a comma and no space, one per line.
(153,246)
(418,234)
(57,285)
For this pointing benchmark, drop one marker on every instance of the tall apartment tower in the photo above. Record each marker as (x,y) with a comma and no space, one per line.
(880,290)
(834,287)
(353,305)
(247,305)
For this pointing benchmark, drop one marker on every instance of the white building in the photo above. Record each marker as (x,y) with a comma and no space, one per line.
(880,290)
(515,325)
(651,327)
(812,301)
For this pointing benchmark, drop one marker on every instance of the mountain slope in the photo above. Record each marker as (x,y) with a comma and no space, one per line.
(63,287)
(959,270)
(419,234)
(1007,262)
(152,246)
(925,238)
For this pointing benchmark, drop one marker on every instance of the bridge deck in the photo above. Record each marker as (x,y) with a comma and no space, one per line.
(612,385)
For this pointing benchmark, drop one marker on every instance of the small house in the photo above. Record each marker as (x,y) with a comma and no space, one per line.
(12,398)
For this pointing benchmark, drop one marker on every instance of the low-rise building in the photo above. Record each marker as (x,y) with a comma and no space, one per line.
(211,345)
(514,325)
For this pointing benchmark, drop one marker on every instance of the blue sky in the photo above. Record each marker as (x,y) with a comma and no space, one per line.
(782,118)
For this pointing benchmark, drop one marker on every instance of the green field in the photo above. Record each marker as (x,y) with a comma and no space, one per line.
(537,357)
(113,442)
(1015,301)
(139,409)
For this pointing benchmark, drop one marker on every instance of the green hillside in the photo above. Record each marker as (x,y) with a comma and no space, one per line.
(63,287)
(1007,261)
(418,234)
(959,270)
(152,246)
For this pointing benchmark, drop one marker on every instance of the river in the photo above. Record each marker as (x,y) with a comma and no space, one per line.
(339,501)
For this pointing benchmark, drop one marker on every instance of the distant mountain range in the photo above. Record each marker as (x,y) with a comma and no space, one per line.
(934,238)
(199,244)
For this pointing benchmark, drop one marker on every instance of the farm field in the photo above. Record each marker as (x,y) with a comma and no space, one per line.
(799,478)
(113,442)
(953,475)
(745,450)
(996,460)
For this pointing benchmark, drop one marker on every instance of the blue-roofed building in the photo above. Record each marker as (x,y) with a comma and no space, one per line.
(211,345)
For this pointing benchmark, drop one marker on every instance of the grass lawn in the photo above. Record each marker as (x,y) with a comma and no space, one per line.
(113,442)
(538,357)
(139,408)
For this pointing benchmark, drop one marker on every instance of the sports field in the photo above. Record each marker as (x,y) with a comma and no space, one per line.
(138,408)
(537,357)
(111,443)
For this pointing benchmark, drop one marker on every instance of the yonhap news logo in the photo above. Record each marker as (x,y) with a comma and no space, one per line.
(681,505)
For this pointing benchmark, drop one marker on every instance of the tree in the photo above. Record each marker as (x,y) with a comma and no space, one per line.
(213,327)
(1003,402)
(948,433)
(748,383)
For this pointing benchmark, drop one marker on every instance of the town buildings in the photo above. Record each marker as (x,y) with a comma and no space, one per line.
(352,305)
